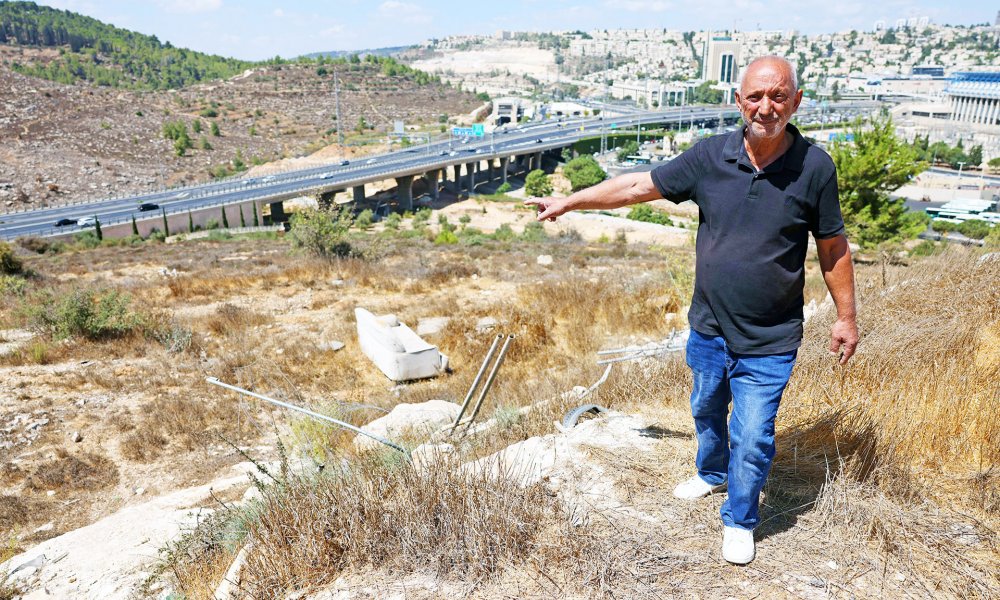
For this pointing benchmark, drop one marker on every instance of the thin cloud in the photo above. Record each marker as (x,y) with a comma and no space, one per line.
(278,12)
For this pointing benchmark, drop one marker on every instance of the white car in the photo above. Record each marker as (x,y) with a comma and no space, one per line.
(326,176)
(267,179)
(86,222)
(182,195)
(369,161)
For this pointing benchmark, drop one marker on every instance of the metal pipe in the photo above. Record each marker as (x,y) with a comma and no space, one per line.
(492,376)
(475,382)
(315,415)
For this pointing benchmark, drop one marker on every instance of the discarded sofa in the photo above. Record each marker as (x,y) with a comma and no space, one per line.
(395,349)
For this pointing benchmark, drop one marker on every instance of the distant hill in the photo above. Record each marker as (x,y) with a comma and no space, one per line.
(102,54)
(391,51)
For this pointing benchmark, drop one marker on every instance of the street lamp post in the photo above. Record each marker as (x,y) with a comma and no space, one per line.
(958,184)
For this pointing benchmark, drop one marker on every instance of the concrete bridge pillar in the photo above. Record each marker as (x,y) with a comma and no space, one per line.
(538,160)
(458,178)
(359,193)
(504,163)
(489,167)
(404,191)
(432,182)
(470,170)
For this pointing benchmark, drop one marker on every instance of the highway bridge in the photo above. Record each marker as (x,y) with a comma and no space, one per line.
(461,166)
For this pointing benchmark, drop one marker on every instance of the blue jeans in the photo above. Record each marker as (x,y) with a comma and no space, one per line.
(742,452)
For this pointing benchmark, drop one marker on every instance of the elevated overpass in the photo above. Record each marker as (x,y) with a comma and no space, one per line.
(461,166)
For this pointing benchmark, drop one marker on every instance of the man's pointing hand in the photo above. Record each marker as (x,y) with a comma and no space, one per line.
(548,208)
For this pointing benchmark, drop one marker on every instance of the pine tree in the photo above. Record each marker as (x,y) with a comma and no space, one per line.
(243,222)
(869,169)
(135,228)
(97,228)
(166,228)
(225,221)
(190,223)
(256,222)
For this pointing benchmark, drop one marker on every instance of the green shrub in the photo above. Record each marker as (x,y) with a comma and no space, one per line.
(584,172)
(465,219)
(504,233)
(11,285)
(974,228)
(9,262)
(422,217)
(91,313)
(393,221)
(446,237)
(504,188)
(321,232)
(648,214)
(537,184)
(534,232)
(926,248)
(364,219)
(87,239)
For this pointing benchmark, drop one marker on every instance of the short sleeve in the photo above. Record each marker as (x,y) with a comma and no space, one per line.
(676,180)
(828,222)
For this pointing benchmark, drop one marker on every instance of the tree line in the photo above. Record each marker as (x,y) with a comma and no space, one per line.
(103,54)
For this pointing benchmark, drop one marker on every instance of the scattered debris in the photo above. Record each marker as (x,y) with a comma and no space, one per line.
(544,259)
(409,420)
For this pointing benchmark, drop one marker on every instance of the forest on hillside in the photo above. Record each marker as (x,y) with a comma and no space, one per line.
(103,54)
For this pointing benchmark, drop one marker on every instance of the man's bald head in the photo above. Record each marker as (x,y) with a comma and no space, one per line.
(768,96)
(775,61)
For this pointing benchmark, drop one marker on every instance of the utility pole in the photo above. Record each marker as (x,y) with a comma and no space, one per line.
(336,96)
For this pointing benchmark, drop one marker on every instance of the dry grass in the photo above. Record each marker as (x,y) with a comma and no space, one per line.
(882,463)
(921,397)
(372,516)
(79,471)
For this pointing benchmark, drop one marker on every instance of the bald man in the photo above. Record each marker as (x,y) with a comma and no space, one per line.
(760,192)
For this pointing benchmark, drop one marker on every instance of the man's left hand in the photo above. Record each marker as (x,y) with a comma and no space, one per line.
(844,339)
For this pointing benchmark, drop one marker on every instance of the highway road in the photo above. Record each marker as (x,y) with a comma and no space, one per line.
(415,160)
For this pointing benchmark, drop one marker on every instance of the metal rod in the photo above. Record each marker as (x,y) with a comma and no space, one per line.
(315,415)
(598,383)
(492,376)
(475,382)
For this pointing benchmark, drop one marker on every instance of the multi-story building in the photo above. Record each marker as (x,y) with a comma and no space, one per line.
(722,59)
(975,98)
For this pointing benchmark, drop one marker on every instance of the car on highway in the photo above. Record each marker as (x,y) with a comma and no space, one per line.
(250,181)
(145,206)
(443,153)
(182,195)
(344,163)
(370,161)
(65,221)
(453,153)
(538,141)
(267,179)
(86,222)
(326,175)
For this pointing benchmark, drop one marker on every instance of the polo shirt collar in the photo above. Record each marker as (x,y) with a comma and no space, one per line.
(792,159)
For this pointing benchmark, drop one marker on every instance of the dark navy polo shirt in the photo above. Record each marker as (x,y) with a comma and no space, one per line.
(753,229)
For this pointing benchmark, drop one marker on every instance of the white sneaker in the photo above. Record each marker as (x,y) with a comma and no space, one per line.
(695,488)
(737,545)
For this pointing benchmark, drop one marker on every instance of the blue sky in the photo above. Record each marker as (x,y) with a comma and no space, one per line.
(257,29)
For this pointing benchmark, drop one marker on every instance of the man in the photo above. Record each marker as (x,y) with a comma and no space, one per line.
(760,192)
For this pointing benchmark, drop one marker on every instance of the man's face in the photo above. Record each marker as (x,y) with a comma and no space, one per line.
(767,99)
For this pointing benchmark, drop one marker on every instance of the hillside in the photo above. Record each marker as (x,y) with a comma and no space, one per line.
(66,143)
(885,484)
(102,54)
